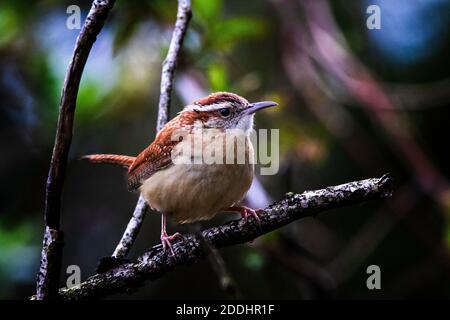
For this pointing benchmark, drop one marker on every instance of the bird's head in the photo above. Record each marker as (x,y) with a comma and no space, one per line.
(224,110)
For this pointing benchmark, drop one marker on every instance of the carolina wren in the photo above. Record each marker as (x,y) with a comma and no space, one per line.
(195,189)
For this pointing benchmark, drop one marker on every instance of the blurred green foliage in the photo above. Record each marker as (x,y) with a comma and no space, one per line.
(19,249)
(9,24)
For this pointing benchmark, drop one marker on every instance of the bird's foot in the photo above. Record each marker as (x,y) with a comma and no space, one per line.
(246,212)
(167,240)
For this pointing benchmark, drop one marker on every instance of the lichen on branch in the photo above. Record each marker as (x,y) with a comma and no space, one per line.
(154,263)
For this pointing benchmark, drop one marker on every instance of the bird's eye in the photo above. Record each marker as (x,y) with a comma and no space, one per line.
(225,112)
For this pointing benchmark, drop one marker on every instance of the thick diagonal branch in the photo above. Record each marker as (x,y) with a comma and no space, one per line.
(167,76)
(48,276)
(155,262)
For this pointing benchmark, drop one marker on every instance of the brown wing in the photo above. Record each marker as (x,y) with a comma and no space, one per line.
(155,157)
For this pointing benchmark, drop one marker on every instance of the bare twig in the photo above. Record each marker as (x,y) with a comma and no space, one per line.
(226,280)
(419,96)
(331,57)
(48,276)
(50,267)
(155,262)
(302,73)
(133,227)
(302,266)
(170,63)
(371,235)
(167,76)
(330,50)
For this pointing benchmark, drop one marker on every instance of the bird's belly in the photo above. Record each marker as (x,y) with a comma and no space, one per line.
(192,192)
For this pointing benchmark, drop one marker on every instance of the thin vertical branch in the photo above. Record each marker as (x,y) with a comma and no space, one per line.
(226,280)
(50,268)
(184,15)
(167,76)
(132,230)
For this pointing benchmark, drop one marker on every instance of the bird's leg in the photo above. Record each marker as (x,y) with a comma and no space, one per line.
(165,238)
(246,211)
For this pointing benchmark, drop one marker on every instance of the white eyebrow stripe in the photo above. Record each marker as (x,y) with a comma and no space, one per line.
(211,107)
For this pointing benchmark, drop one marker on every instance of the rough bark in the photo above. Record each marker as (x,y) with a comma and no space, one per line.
(154,263)
(50,268)
(48,276)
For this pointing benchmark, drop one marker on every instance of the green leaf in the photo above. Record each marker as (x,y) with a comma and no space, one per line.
(229,31)
(207,10)
(9,25)
(89,101)
(18,235)
(218,77)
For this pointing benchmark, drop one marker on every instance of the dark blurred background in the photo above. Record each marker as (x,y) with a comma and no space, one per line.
(354,103)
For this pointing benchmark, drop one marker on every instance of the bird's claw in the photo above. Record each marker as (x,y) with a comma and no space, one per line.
(246,212)
(167,240)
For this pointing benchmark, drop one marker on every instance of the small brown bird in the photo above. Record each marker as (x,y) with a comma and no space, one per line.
(191,171)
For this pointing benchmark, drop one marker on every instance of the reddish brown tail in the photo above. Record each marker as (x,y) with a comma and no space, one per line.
(124,161)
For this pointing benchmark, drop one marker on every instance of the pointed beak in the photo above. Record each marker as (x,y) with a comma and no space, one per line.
(256,106)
